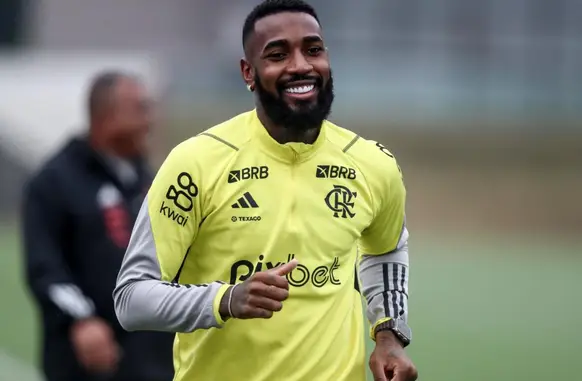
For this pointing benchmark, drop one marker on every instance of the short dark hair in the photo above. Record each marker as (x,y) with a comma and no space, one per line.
(271,7)
(101,87)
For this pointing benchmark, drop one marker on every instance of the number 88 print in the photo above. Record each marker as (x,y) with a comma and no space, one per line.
(183,197)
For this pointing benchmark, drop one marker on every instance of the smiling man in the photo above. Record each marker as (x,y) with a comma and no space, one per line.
(251,238)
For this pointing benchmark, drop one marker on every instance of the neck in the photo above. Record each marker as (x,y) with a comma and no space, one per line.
(101,145)
(283,135)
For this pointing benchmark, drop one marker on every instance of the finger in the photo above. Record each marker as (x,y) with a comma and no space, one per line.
(117,353)
(255,313)
(271,291)
(266,303)
(86,361)
(105,357)
(404,374)
(264,314)
(110,360)
(272,279)
(378,372)
(285,269)
(380,377)
(398,376)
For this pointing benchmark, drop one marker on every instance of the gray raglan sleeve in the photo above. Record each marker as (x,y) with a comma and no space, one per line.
(384,280)
(143,301)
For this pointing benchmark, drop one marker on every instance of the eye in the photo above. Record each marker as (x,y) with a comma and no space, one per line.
(276,56)
(315,50)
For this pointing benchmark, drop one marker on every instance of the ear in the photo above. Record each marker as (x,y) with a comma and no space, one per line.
(248,73)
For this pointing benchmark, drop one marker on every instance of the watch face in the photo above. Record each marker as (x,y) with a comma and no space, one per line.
(400,329)
(403,329)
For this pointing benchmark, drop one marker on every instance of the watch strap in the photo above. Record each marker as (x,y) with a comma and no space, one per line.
(374,327)
(397,326)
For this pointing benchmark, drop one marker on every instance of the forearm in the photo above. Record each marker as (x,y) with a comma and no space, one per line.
(146,299)
(161,306)
(70,299)
(51,283)
(384,281)
(47,272)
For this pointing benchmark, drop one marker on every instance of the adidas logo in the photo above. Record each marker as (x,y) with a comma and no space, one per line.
(246,201)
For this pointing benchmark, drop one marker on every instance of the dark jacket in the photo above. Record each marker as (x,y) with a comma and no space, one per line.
(77,220)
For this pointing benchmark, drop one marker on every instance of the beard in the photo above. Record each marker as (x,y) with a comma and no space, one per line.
(304,115)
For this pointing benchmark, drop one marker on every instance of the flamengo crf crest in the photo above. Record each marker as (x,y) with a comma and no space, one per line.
(340,201)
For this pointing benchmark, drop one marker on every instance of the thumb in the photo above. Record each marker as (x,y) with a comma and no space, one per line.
(286,268)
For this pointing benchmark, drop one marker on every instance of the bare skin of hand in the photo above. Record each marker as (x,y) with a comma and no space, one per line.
(259,296)
(95,345)
(389,361)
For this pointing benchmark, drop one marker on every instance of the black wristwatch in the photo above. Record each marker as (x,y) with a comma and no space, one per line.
(398,327)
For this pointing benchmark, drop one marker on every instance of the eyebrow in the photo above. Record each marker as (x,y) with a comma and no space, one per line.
(312,39)
(282,42)
(275,44)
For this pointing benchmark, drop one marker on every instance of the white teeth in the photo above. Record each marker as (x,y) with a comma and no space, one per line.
(300,89)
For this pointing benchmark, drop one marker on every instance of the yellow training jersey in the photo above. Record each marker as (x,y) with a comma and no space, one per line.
(232,201)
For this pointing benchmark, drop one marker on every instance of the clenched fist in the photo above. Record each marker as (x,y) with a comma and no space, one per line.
(389,362)
(259,296)
(95,345)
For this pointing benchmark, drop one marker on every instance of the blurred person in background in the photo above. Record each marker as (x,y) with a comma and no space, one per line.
(79,210)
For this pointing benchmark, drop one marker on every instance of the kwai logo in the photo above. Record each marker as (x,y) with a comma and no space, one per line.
(319,276)
(173,215)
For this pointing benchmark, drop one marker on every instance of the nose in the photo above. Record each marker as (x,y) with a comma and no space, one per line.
(299,65)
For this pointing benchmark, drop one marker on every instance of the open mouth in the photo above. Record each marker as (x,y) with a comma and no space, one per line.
(301,90)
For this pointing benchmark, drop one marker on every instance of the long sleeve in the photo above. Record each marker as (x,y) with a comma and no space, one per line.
(384,266)
(148,295)
(385,284)
(44,231)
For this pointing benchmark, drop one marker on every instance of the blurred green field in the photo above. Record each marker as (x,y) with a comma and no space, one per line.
(484,311)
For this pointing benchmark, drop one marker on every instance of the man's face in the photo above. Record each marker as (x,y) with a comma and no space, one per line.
(130,119)
(290,70)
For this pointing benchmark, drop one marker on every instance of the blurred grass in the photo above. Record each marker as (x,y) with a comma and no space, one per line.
(18,319)
(481,310)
